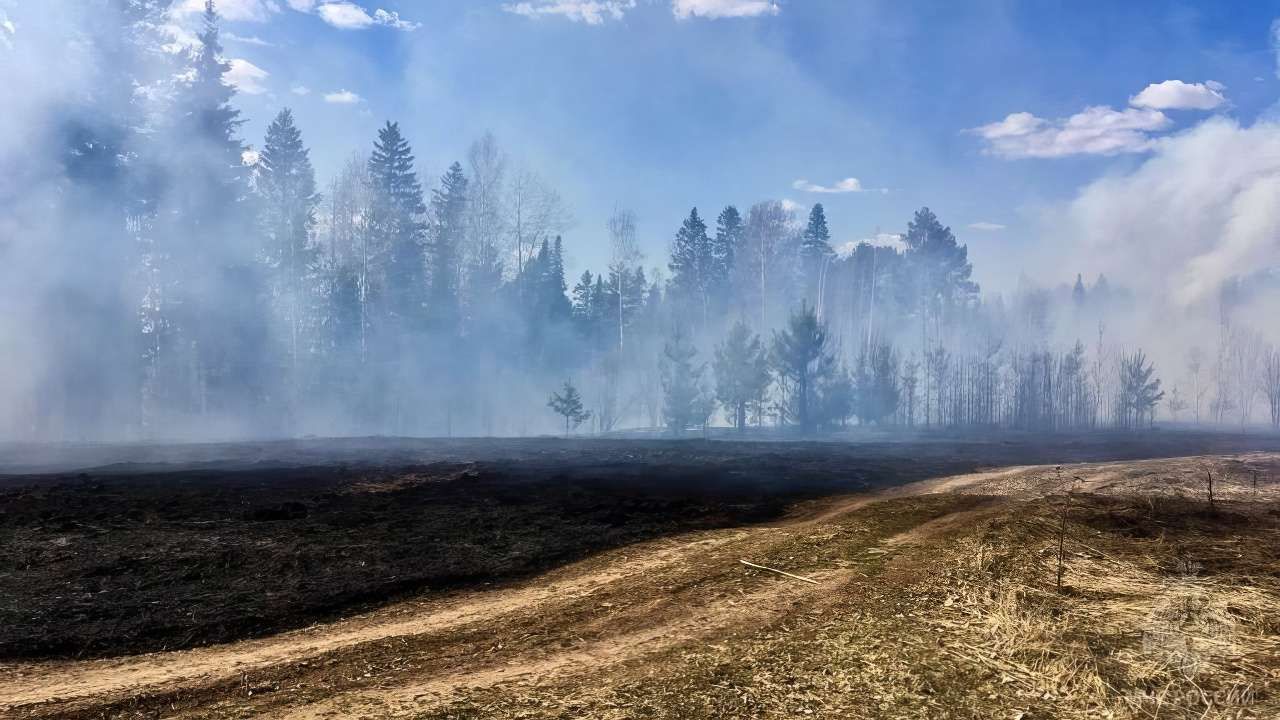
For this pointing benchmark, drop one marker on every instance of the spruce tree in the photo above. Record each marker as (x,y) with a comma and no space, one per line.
(878,383)
(582,310)
(603,306)
(208,165)
(686,402)
(729,236)
(742,372)
(815,249)
(448,210)
(803,361)
(559,309)
(396,229)
(837,397)
(207,239)
(691,266)
(286,184)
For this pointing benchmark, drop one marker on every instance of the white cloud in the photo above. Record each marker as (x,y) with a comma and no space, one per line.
(7,30)
(591,12)
(246,77)
(1199,211)
(792,206)
(254,40)
(887,240)
(684,9)
(342,97)
(596,12)
(392,20)
(1178,95)
(234,10)
(847,185)
(180,38)
(985,226)
(1097,130)
(345,15)
(300,90)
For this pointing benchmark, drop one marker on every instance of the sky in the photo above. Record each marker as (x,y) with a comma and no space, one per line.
(998,115)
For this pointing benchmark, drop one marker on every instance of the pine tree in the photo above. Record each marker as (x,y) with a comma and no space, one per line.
(396,228)
(941,266)
(728,237)
(207,241)
(815,250)
(742,372)
(1078,292)
(568,404)
(837,398)
(582,310)
(559,309)
(691,266)
(878,383)
(287,185)
(604,307)
(448,210)
(686,402)
(802,361)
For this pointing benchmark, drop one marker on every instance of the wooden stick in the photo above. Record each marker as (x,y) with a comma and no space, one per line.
(780,572)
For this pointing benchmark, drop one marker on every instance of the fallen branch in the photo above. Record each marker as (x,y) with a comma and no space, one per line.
(780,572)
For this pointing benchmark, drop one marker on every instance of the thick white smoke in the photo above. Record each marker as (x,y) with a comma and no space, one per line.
(1205,208)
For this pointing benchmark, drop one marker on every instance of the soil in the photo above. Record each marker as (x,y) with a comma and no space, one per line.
(596,579)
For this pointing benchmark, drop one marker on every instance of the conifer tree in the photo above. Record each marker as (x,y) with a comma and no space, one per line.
(559,309)
(396,228)
(287,185)
(448,210)
(878,383)
(686,402)
(803,361)
(815,250)
(728,237)
(742,372)
(582,299)
(568,404)
(940,265)
(207,243)
(692,266)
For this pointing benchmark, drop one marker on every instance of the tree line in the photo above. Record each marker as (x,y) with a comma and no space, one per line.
(236,296)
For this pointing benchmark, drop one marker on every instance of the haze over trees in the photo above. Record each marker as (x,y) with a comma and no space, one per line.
(198,289)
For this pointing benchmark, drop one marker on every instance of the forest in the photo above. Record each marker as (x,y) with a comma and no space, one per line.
(193,284)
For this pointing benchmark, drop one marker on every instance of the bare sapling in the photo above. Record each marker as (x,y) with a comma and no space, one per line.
(1062,529)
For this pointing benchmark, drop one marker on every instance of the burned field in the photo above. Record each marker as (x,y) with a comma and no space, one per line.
(116,561)
(602,579)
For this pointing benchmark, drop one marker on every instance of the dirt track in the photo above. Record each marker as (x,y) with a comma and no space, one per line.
(628,616)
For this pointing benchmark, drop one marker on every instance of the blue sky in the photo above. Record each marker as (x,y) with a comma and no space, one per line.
(991,113)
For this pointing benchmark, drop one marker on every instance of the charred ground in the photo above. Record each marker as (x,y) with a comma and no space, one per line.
(142,548)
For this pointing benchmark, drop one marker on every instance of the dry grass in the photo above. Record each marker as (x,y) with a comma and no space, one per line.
(1169,610)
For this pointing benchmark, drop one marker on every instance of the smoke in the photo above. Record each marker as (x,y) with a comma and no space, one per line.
(144,297)
(1201,212)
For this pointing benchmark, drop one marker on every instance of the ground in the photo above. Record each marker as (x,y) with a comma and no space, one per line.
(604,579)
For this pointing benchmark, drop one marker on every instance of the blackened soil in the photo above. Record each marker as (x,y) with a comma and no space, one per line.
(148,552)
